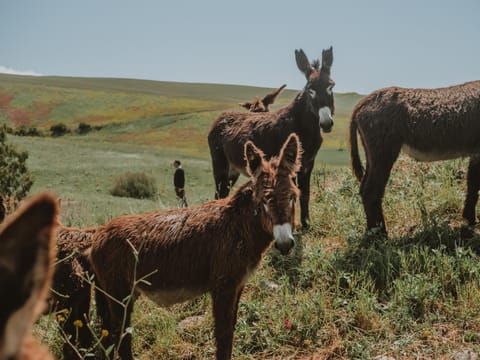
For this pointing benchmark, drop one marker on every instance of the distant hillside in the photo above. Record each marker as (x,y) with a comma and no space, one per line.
(143,112)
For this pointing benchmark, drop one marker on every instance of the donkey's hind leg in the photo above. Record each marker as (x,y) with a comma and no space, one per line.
(221,174)
(372,188)
(473,186)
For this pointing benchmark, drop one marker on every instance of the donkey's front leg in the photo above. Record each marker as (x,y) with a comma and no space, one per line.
(304,186)
(473,185)
(225,307)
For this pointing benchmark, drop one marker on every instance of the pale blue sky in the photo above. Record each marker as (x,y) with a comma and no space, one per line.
(411,43)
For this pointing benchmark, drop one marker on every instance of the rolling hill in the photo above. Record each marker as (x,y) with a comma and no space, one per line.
(152,113)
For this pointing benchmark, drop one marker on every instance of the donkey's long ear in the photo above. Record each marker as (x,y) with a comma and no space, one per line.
(327,58)
(270,98)
(303,63)
(254,157)
(247,105)
(26,265)
(291,154)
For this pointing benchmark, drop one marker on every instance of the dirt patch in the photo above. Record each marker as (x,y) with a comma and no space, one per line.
(20,117)
(24,117)
(41,110)
(5,100)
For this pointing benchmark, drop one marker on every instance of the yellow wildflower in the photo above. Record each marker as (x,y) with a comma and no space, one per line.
(60,318)
(426,333)
(307,342)
(104,333)
(78,323)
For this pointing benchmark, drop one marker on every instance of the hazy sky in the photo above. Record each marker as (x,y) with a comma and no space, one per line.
(411,43)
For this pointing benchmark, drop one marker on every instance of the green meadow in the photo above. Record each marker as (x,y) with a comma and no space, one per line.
(342,294)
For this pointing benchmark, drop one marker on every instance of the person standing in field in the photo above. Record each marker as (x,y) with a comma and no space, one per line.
(179,183)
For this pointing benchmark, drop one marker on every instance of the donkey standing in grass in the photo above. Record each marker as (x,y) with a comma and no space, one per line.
(428,125)
(310,110)
(26,268)
(261,105)
(213,247)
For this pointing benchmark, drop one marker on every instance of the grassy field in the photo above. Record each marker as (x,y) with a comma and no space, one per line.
(341,295)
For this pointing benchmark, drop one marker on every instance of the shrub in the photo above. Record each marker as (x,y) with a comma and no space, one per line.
(136,185)
(15,179)
(26,131)
(58,129)
(84,128)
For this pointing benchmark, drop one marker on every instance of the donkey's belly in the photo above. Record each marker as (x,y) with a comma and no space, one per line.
(167,298)
(434,154)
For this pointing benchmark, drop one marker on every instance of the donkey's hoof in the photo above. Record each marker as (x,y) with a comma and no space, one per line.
(467,232)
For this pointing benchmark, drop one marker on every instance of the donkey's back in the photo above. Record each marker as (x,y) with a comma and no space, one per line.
(428,124)
(183,243)
(231,130)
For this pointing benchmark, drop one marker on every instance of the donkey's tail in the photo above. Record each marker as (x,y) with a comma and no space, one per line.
(357,166)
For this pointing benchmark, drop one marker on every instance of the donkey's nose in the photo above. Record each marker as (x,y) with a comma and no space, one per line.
(284,240)
(285,246)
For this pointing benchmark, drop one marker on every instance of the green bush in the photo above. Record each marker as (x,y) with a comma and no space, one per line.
(136,185)
(15,179)
(59,129)
(84,128)
(26,131)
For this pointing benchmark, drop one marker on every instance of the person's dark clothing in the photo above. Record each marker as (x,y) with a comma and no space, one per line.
(179,183)
(179,178)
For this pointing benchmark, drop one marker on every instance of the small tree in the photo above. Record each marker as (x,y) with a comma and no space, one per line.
(15,179)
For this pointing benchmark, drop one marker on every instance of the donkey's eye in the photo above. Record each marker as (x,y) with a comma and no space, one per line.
(331,84)
(265,204)
(292,201)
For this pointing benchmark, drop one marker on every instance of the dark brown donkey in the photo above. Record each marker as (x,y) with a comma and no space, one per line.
(310,110)
(213,247)
(71,290)
(428,125)
(261,105)
(27,250)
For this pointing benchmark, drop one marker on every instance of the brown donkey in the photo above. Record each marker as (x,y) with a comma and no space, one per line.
(213,247)
(310,110)
(26,266)
(71,291)
(261,105)
(428,125)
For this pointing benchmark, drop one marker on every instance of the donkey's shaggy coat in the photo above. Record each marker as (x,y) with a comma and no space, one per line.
(427,124)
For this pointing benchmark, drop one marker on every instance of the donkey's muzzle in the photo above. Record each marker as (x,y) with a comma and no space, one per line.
(325,119)
(284,241)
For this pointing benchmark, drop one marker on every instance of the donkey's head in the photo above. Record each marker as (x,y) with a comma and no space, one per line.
(26,265)
(274,192)
(319,89)
(261,105)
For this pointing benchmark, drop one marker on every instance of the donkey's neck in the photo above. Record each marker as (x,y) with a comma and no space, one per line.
(248,215)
